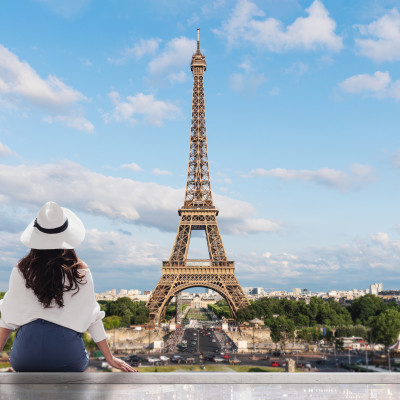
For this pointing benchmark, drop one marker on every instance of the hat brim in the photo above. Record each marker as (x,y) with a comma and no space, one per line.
(72,237)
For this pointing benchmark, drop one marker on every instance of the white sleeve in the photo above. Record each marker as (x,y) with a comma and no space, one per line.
(6,304)
(96,328)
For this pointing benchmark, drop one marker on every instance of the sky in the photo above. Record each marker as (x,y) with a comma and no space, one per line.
(302,107)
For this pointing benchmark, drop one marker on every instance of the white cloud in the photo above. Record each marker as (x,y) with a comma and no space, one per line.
(245,82)
(132,166)
(110,255)
(154,111)
(5,151)
(19,81)
(297,68)
(374,259)
(174,59)
(157,171)
(248,23)
(143,47)
(143,203)
(78,123)
(378,85)
(359,175)
(18,78)
(179,77)
(140,49)
(383,43)
(248,81)
(395,159)
(275,91)
(66,8)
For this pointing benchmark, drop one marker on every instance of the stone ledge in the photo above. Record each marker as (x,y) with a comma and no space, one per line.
(264,378)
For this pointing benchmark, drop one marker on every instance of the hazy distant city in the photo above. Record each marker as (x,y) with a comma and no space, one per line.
(254,293)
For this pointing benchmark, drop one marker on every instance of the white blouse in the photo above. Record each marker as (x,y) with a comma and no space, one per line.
(81,311)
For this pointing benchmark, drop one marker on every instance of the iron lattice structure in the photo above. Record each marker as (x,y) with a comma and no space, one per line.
(197,213)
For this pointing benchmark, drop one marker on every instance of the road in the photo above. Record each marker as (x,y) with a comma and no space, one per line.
(202,343)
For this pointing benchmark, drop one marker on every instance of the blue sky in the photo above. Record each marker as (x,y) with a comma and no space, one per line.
(302,105)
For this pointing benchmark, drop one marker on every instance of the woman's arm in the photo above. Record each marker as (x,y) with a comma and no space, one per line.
(4,335)
(113,361)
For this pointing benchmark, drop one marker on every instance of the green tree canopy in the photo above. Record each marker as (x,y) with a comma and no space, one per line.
(365,308)
(386,327)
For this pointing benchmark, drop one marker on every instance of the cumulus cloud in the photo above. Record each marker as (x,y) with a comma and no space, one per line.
(5,151)
(248,23)
(132,166)
(373,259)
(248,81)
(140,49)
(297,68)
(78,123)
(112,256)
(174,60)
(154,111)
(359,175)
(378,85)
(395,159)
(143,203)
(20,82)
(66,8)
(157,171)
(383,42)
(18,78)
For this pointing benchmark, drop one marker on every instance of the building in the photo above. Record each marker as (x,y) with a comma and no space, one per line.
(375,288)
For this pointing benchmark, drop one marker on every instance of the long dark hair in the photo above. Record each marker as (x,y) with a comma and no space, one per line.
(50,273)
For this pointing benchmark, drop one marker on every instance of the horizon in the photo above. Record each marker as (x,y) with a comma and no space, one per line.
(302,131)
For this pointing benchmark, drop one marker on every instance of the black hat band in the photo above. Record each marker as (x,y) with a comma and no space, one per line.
(60,229)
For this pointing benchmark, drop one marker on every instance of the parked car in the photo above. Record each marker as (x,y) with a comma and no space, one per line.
(227,356)
(307,365)
(176,358)
(218,359)
(274,364)
(164,358)
(134,360)
(209,358)
(153,360)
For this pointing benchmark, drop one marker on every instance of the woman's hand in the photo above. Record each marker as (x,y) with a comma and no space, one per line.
(120,364)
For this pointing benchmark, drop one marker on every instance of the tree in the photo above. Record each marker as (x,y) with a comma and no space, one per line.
(365,308)
(386,327)
(282,329)
(111,322)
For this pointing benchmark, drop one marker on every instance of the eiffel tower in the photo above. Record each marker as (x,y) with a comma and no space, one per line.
(197,213)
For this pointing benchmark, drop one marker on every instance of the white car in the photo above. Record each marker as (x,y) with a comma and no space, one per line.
(218,359)
(153,360)
(164,358)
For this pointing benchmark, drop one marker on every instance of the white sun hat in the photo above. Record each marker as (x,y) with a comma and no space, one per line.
(54,228)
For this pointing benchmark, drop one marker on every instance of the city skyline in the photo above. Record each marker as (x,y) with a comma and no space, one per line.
(301,104)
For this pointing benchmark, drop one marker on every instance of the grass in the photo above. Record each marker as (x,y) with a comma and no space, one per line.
(5,365)
(208,368)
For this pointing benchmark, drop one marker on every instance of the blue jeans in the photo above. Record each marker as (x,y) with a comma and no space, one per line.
(42,346)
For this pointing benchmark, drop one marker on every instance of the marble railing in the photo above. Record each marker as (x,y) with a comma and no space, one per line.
(200,385)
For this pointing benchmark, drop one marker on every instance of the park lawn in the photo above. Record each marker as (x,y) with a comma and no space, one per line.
(5,365)
(209,368)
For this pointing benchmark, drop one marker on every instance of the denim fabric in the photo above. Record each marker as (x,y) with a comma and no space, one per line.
(42,346)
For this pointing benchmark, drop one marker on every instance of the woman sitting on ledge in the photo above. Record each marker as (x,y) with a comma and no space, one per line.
(51,299)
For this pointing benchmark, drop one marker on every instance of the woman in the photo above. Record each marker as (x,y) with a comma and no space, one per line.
(51,299)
